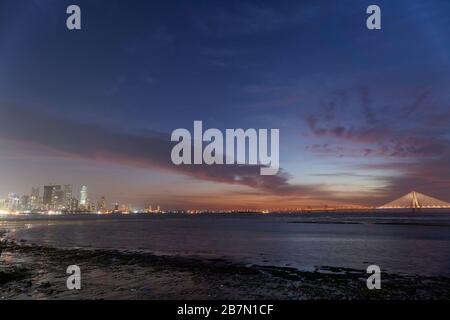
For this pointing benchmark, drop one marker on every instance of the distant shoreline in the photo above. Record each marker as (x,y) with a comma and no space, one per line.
(310,211)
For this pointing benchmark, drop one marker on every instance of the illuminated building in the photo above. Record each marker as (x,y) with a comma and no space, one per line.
(73,205)
(25,203)
(67,196)
(35,199)
(91,206)
(13,202)
(125,208)
(101,207)
(58,198)
(52,197)
(47,198)
(83,197)
(3,204)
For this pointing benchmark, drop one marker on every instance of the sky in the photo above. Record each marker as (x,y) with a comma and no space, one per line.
(363,114)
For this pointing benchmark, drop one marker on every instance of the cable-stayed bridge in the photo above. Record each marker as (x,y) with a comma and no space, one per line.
(416,201)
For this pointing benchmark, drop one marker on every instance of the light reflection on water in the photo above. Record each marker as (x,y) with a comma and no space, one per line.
(403,243)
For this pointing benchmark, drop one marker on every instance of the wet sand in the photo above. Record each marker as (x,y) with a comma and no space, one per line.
(36,272)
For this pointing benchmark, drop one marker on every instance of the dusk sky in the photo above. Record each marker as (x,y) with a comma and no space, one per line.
(364,115)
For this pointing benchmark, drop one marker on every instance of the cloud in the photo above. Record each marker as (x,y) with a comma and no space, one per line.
(413,129)
(355,134)
(431,176)
(149,150)
(407,145)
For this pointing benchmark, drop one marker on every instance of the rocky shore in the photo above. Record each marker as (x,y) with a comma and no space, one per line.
(37,272)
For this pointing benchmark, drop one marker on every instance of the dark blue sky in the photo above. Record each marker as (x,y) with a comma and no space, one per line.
(363,115)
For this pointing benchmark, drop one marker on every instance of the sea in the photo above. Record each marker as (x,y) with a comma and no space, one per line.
(402,243)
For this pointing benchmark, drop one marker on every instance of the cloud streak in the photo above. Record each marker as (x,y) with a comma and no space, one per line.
(408,146)
(151,150)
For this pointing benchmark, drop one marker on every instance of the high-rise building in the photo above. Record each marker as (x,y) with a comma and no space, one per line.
(25,203)
(125,208)
(58,198)
(73,206)
(84,197)
(47,197)
(53,197)
(101,207)
(13,202)
(35,199)
(67,196)
(3,204)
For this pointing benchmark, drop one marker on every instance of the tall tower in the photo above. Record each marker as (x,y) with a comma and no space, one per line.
(415,202)
(84,197)
(101,206)
(25,202)
(34,199)
(58,195)
(67,190)
(48,196)
(13,201)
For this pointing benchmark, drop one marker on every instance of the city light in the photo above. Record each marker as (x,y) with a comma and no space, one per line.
(59,199)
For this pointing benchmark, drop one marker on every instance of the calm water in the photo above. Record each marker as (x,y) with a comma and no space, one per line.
(401,243)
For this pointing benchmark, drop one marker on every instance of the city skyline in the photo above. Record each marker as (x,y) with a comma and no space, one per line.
(60,198)
(359,123)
